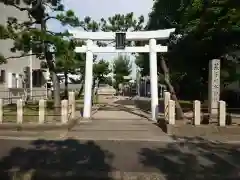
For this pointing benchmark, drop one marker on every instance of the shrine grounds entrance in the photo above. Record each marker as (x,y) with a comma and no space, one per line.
(121,38)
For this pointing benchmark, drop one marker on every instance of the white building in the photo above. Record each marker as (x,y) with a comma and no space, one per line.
(12,73)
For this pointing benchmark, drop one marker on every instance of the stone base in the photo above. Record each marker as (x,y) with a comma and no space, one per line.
(213,117)
(33,127)
(39,127)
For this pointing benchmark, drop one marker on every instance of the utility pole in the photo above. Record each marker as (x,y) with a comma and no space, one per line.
(31,74)
(31,71)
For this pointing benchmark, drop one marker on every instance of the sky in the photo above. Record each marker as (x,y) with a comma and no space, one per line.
(98,9)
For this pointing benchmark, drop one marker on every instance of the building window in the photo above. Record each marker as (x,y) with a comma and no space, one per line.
(37,78)
(2,76)
(14,80)
(20,81)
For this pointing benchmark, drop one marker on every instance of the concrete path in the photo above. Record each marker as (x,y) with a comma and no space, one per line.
(118,124)
(139,130)
(115,115)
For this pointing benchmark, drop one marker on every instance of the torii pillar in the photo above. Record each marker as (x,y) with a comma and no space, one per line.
(152,49)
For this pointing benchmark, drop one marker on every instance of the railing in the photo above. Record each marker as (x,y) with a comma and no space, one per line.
(39,113)
(198,113)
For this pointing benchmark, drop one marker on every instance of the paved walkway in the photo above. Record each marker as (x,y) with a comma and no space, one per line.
(118,123)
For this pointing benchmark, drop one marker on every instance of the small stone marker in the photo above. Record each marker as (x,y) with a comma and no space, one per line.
(64,111)
(72,103)
(41,111)
(167,97)
(222,113)
(171,112)
(19,111)
(197,112)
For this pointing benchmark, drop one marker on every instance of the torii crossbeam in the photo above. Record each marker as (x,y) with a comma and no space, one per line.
(90,49)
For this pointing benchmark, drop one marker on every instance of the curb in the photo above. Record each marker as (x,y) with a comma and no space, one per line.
(33,127)
(38,127)
(201,130)
(114,175)
(163,140)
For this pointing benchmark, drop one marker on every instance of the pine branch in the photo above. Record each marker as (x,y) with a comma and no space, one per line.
(39,2)
(20,56)
(19,8)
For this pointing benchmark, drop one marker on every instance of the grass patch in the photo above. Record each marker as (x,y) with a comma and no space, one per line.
(30,114)
(31,111)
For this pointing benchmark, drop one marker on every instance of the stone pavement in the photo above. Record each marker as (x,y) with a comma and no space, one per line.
(114,123)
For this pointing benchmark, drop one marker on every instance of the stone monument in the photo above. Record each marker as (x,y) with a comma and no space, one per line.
(213,87)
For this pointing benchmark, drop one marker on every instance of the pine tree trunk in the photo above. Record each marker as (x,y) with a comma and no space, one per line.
(66,85)
(179,111)
(93,89)
(82,87)
(56,93)
(52,70)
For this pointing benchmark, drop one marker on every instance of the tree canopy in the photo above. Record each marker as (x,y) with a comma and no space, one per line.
(28,38)
(121,68)
(205,30)
(101,70)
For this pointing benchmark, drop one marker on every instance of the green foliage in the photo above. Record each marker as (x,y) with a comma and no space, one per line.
(142,62)
(205,30)
(121,68)
(120,22)
(26,37)
(69,61)
(101,70)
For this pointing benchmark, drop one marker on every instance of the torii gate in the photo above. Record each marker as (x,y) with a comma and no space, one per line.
(90,49)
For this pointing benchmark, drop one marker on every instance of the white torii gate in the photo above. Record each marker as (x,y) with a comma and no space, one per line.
(152,48)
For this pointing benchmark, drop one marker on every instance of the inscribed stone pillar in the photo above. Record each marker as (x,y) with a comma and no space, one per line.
(213,86)
(167,97)
(71,98)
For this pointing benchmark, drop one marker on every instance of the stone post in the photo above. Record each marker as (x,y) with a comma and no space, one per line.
(1,111)
(197,112)
(171,112)
(41,116)
(213,87)
(222,113)
(167,97)
(19,111)
(64,111)
(72,104)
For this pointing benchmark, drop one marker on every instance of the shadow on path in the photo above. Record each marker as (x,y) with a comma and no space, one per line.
(56,160)
(194,161)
